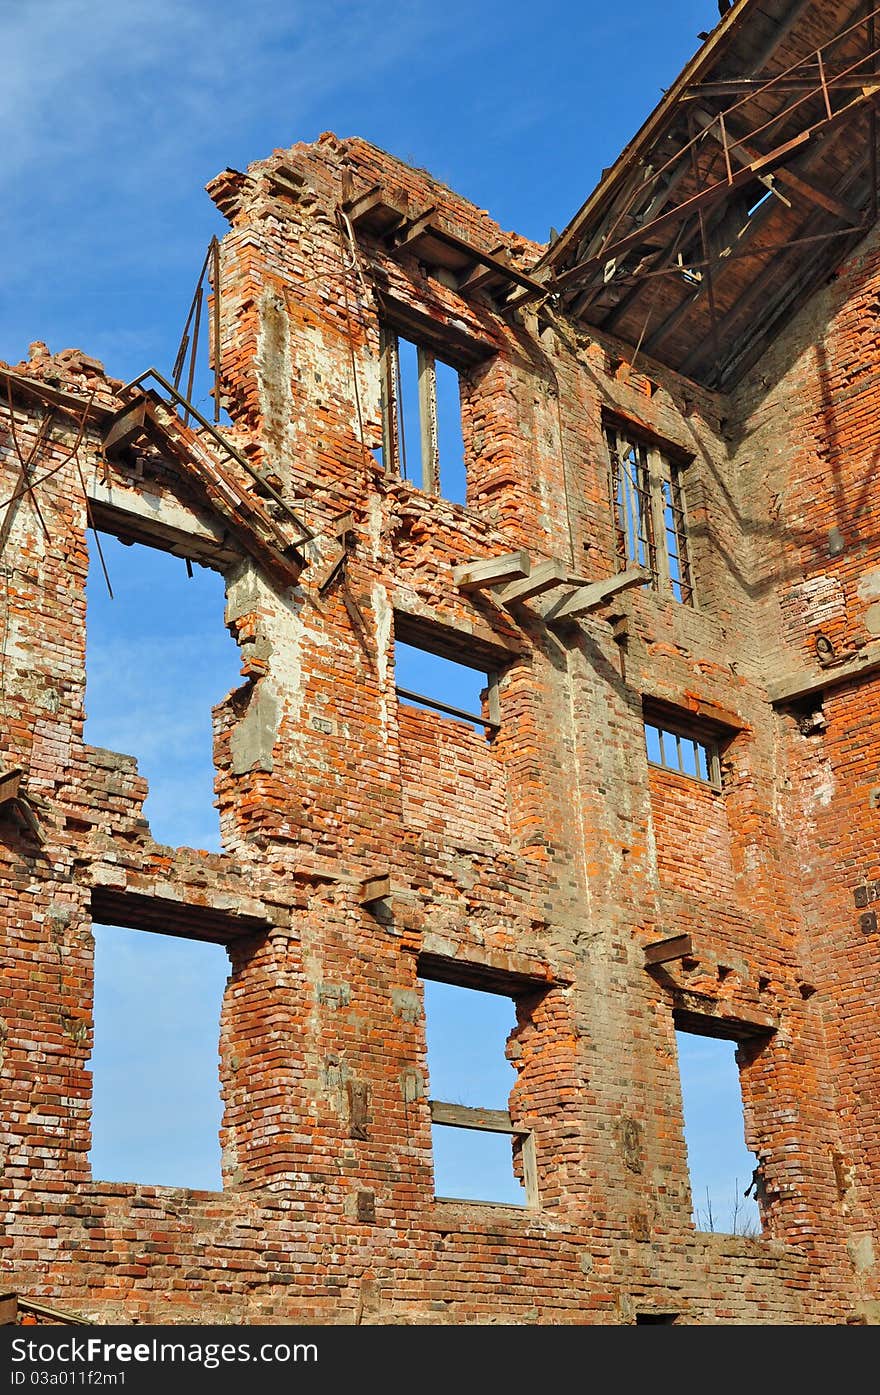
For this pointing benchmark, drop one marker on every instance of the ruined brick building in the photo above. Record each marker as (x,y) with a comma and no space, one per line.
(671,424)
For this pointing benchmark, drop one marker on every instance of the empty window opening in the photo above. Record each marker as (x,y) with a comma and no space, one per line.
(656,1319)
(474,1140)
(650,524)
(721,1168)
(158,658)
(156,1107)
(683,752)
(421,413)
(429,680)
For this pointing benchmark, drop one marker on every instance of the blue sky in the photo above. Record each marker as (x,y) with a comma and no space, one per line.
(115,114)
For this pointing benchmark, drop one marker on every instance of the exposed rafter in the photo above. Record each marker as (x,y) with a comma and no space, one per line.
(733,181)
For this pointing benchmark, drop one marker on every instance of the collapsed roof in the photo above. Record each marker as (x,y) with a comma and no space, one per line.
(744,189)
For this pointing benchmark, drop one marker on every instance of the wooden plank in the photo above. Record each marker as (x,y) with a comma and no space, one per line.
(8,1309)
(125,427)
(460,1116)
(425,229)
(589,598)
(664,951)
(68,401)
(510,566)
(545,577)
(375,889)
(478,279)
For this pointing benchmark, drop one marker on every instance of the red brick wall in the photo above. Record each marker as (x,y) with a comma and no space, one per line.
(549,857)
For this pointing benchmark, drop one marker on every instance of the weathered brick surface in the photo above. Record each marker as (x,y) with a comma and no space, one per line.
(550,855)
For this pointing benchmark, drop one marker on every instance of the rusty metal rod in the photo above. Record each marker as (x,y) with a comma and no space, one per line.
(445,707)
(221,441)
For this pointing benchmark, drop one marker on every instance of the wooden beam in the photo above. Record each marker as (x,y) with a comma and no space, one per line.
(414,229)
(473,576)
(461,1116)
(375,889)
(426,225)
(664,951)
(739,87)
(742,153)
(341,526)
(545,577)
(356,205)
(26,815)
(125,427)
(68,401)
(593,596)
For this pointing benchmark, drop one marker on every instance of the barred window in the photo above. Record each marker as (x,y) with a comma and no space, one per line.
(687,751)
(647,502)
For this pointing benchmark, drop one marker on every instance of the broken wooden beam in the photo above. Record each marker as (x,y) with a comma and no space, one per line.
(125,427)
(545,577)
(594,595)
(510,566)
(342,525)
(664,951)
(375,889)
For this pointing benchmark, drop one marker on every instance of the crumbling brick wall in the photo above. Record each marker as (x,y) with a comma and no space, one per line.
(543,861)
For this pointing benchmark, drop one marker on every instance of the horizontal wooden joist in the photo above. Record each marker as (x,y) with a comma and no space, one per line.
(491,571)
(460,1116)
(665,951)
(426,229)
(375,889)
(595,594)
(545,577)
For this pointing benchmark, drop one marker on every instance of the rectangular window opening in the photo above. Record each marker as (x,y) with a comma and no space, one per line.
(647,503)
(159,657)
(724,1174)
(426,679)
(479,1154)
(156,1108)
(421,414)
(685,751)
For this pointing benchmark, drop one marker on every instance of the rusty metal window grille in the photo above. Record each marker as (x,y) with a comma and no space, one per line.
(421,418)
(650,523)
(683,752)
